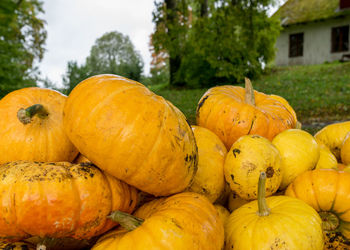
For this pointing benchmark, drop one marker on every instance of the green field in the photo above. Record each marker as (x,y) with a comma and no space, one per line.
(319,94)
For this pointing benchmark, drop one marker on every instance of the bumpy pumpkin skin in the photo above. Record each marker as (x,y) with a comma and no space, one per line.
(43,139)
(333,136)
(131,133)
(248,156)
(209,179)
(291,224)
(327,191)
(345,150)
(327,158)
(224,111)
(182,221)
(299,151)
(58,200)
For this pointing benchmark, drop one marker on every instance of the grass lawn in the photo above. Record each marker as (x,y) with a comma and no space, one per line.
(318,93)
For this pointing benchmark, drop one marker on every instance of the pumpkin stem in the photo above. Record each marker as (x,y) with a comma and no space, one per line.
(330,221)
(298,125)
(25,115)
(40,247)
(264,210)
(249,92)
(127,221)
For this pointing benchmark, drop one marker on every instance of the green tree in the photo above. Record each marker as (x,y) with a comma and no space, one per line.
(172,21)
(225,41)
(22,40)
(113,53)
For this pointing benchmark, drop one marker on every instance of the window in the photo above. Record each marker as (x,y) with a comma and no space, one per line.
(296,44)
(340,39)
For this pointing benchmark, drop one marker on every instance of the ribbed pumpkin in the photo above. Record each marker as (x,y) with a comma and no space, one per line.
(299,151)
(32,127)
(131,133)
(232,111)
(333,136)
(248,156)
(209,179)
(182,221)
(345,150)
(327,158)
(327,191)
(278,222)
(58,200)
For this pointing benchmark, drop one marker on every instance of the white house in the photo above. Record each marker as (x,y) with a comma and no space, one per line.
(313,32)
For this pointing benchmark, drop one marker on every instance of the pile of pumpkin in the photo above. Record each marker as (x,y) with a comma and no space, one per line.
(114,166)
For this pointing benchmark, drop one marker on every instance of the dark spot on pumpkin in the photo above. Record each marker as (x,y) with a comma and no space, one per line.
(256,136)
(200,104)
(269,172)
(232,177)
(176,223)
(205,191)
(251,125)
(236,151)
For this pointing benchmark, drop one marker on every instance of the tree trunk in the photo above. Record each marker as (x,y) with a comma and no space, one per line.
(174,56)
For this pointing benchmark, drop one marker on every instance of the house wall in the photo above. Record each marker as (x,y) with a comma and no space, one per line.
(317,43)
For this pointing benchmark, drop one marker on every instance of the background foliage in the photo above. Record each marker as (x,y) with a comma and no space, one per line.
(22,40)
(112,53)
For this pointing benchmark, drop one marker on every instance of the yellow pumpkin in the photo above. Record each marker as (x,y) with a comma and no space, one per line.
(248,156)
(234,201)
(328,192)
(81,159)
(333,136)
(345,150)
(232,111)
(327,159)
(131,133)
(223,213)
(209,179)
(300,152)
(32,127)
(182,221)
(277,222)
(59,200)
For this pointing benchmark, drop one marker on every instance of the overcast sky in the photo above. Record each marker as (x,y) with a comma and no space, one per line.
(74,25)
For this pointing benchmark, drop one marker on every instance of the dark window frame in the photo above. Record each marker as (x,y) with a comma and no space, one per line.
(296,44)
(340,39)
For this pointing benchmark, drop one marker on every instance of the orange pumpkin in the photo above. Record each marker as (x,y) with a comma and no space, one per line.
(182,221)
(58,200)
(328,192)
(232,111)
(132,134)
(32,127)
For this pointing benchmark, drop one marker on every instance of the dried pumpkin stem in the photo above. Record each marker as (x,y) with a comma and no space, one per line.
(127,221)
(249,92)
(264,210)
(25,115)
(40,247)
(330,221)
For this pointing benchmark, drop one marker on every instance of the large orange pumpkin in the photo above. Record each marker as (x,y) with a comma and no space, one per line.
(58,200)
(232,111)
(131,133)
(328,192)
(182,221)
(32,127)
